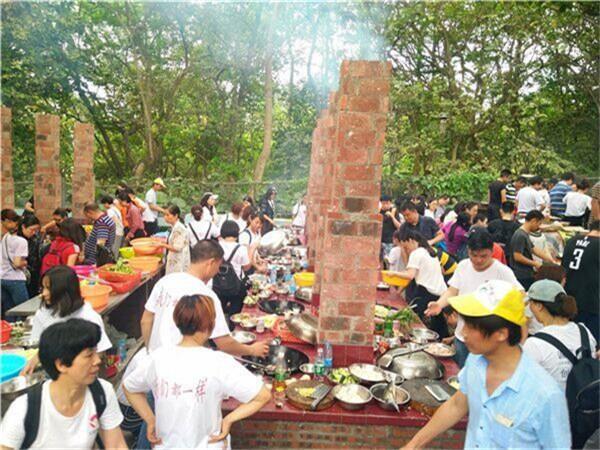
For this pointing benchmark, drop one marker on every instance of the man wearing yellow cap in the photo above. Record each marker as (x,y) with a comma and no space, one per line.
(150,214)
(511,401)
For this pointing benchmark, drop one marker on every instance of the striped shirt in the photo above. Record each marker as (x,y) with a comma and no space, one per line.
(511,193)
(104,228)
(557,194)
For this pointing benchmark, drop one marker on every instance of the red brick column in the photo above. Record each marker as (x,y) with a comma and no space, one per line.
(47,188)
(8,182)
(349,260)
(83,179)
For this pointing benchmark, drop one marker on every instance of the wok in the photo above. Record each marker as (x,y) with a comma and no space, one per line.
(293,359)
(279,307)
(272,242)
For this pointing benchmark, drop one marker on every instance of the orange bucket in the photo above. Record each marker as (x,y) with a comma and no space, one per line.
(144,263)
(96,295)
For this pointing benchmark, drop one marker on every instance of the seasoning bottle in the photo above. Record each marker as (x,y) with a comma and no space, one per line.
(260,325)
(279,380)
(319,365)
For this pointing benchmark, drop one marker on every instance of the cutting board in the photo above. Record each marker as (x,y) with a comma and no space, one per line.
(301,402)
(420,399)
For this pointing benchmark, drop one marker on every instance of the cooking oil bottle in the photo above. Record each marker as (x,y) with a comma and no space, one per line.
(279,379)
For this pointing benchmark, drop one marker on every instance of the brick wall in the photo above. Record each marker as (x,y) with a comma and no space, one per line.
(8,182)
(83,179)
(47,187)
(258,434)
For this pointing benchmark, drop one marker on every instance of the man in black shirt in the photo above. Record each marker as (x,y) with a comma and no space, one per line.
(581,260)
(391,223)
(424,225)
(502,229)
(522,250)
(497,194)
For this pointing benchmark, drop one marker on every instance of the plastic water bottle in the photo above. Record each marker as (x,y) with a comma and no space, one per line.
(279,379)
(273,275)
(319,365)
(328,356)
(122,350)
(292,287)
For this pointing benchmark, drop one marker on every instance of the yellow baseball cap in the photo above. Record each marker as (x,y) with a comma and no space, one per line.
(495,297)
(159,181)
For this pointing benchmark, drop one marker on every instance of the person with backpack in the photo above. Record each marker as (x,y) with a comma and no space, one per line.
(229,283)
(566,350)
(178,243)
(66,248)
(201,227)
(73,408)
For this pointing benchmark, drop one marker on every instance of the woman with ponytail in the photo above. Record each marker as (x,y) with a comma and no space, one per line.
(555,310)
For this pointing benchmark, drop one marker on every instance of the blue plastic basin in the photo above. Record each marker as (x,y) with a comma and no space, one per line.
(10,366)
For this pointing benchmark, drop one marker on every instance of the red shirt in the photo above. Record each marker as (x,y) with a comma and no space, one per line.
(134,217)
(59,252)
(498,253)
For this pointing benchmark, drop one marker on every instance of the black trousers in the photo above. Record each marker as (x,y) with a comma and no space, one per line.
(419,296)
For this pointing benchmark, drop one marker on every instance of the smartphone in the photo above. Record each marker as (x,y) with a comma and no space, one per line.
(437,392)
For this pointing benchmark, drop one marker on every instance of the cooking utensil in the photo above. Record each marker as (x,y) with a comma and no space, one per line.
(304,294)
(386,360)
(453,382)
(320,393)
(402,397)
(304,327)
(244,337)
(416,364)
(423,335)
(389,395)
(265,367)
(272,242)
(293,359)
(279,307)
(437,392)
(448,350)
(420,399)
(367,373)
(360,396)
(296,399)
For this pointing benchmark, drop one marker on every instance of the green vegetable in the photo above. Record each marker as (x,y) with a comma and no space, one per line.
(342,376)
(121,267)
(405,316)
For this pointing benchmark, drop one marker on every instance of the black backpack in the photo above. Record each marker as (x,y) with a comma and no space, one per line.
(583,387)
(34,406)
(226,283)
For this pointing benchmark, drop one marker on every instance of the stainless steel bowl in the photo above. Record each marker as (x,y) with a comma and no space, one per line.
(423,335)
(244,337)
(304,294)
(17,386)
(402,396)
(357,370)
(303,326)
(307,368)
(272,242)
(361,395)
(413,365)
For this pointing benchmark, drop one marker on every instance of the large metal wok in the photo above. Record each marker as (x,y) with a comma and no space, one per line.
(279,307)
(272,242)
(417,364)
(293,360)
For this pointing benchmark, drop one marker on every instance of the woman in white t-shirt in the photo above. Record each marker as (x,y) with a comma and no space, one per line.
(250,237)
(209,210)
(189,382)
(425,274)
(200,226)
(62,300)
(579,204)
(236,215)
(68,418)
(551,306)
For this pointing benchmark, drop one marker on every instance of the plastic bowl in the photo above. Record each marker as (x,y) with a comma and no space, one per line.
(10,366)
(146,246)
(96,295)
(84,271)
(127,252)
(5,330)
(117,277)
(304,279)
(144,263)
(393,280)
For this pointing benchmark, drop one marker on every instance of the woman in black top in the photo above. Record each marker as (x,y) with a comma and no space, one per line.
(29,228)
(267,208)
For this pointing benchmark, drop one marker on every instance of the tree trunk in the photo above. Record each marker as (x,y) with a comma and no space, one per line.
(261,164)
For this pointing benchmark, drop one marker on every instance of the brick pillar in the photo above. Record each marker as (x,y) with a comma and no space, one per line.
(83,167)
(348,271)
(47,187)
(8,182)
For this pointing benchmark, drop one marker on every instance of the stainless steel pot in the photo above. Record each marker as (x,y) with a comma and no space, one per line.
(413,365)
(304,327)
(272,242)
(304,294)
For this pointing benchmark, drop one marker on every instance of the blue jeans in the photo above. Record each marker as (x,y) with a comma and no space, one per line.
(14,292)
(462,352)
(142,442)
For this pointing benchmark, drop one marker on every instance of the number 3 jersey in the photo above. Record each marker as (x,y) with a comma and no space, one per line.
(581,260)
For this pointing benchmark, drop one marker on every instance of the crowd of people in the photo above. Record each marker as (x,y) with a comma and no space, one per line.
(516,313)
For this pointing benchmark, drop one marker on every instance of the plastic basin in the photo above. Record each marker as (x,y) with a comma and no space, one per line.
(126,252)
(10,366)
(5,330)
(304,279)
(96,295)
(144,263)
(393,280)
(84,271)
(117,277)
(146,246)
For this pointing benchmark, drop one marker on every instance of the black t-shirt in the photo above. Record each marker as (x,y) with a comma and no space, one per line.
(426,226)
(581,260)
(521,242)
(495,189)
(388,228)
(502,230)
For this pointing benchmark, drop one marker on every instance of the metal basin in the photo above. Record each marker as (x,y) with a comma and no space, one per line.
(244,337)
(412,365)
(272,242)
(17,386)
(279,307)
(304,327)
(304,294)
(352,396)
(402,396)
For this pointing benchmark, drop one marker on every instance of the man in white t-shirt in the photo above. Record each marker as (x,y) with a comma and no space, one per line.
(530,198)
(68,418)
(468,276)
(158,327)
(150,214)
